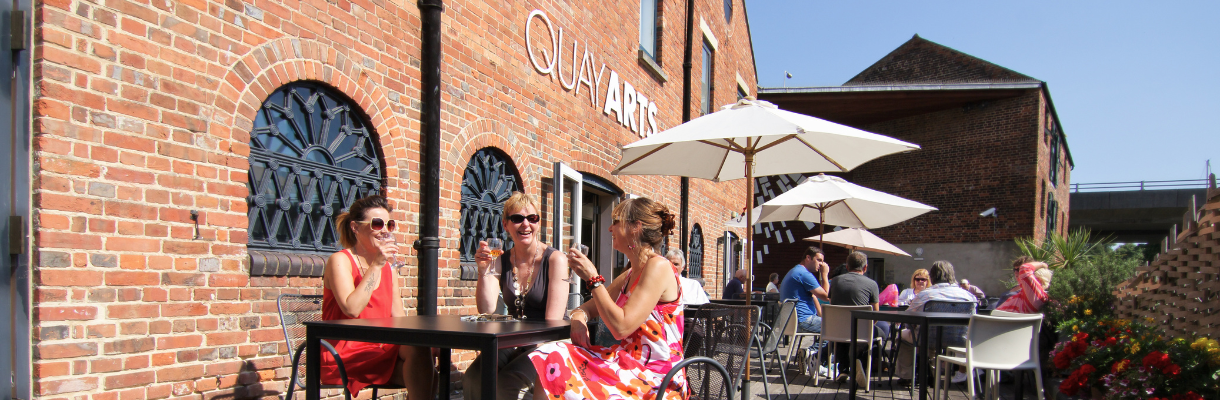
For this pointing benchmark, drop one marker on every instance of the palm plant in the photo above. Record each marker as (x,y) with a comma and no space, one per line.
(1059,251)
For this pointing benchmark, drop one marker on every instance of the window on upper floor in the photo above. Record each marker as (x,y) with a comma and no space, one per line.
(1055,146)
(728,10)
(707,85)
(311,156)
(650,29)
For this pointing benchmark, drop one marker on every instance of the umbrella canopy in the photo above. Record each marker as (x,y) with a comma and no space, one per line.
(858,239)
(754,138)
(718,145)
(832,200)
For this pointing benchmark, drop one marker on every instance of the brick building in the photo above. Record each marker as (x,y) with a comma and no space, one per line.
(187,160)
(990,139)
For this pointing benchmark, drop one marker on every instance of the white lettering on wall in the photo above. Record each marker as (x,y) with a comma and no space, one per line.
(622,99)
(614,101)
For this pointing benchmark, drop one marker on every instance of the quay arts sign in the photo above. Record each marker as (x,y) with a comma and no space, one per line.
(630,107)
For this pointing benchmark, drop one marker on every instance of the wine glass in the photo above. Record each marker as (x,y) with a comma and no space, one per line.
(583,250)
(398,264)
(495,246)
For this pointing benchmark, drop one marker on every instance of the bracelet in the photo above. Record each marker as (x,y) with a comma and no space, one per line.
(597,279)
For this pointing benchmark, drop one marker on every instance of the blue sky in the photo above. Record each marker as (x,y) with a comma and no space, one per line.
(1136,84)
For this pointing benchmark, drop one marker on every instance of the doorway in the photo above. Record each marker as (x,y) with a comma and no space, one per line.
(14,202)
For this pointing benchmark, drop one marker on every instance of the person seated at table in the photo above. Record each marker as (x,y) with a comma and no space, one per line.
(773,283)
(692,290)
(802,285)
(853,288)
(1033,278)
(641,308)
(919,282)
(358,283)
(979,296)
(736,286)
(533,280)
(942,289)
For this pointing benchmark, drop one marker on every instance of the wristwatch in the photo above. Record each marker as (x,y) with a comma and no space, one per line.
(595,285)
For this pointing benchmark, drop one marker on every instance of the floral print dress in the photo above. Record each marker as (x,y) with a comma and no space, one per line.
(632,369)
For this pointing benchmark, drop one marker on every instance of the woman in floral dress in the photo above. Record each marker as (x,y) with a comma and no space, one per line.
(640,309)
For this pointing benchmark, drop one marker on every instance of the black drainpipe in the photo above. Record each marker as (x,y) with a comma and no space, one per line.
(430,118)
(684,212)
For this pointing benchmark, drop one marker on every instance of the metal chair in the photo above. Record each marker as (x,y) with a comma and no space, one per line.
(991,343)
(958,307)
(295,310)
(711,366)
(771,346)
(723,333)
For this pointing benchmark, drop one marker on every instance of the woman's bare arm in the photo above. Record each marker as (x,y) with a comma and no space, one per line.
(337,276)
(558,289)
(657,282)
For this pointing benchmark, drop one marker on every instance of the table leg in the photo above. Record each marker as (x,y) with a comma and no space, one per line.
(852,358)
(921,378)
(491,362)
(313,366)
(445,359)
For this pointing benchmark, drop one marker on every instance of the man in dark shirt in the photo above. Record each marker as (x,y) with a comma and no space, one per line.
(854,289)
(735,286)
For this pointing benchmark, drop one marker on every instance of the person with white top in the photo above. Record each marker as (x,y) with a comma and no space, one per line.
(773,284)
(692,290)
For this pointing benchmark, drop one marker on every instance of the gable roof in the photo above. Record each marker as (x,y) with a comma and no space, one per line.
(923,61)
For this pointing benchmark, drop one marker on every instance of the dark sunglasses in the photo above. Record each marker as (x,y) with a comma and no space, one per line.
(921,279)
(518,218)
(378,224)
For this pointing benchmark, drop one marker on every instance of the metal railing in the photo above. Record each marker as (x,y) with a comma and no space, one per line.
(1141,185)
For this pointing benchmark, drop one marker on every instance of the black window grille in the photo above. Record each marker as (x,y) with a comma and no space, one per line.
(311,156)
(694,265)
(490,179)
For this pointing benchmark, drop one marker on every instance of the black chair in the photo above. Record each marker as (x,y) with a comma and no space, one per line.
(295,310)
(771,345)
(957,307)
(704,372)
(723,333)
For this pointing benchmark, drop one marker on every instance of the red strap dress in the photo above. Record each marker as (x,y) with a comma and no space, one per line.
(366,363)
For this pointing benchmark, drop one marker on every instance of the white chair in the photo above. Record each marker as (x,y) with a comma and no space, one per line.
(836,328)
(991,344)
(796,338)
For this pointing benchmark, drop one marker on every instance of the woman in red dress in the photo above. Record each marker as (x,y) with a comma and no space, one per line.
(359,282)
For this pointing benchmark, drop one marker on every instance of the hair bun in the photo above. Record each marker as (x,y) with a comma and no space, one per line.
(667,222)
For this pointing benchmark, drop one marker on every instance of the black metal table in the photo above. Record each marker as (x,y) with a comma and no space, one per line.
(924,320)
(770,307)
(442,331)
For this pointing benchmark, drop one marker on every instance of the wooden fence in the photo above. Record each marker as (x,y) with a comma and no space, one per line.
(1179,290)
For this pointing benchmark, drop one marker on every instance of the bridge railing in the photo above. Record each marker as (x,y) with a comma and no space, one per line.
(1142,185)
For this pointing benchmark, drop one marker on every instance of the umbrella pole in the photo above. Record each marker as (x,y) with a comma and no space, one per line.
(745,389)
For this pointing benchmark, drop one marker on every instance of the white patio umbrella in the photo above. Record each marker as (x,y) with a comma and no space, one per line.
(858,239)
(754,138)
(832,200)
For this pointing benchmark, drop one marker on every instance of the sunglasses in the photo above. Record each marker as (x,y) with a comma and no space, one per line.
(378,224)
(921,279)
(518,218)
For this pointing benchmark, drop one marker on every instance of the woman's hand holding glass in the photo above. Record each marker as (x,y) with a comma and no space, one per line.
(489,250)
(580,264)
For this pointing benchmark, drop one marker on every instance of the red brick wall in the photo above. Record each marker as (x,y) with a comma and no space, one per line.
(142,113)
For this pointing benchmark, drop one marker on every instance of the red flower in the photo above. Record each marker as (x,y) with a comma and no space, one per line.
(1080,337)
(1079,379)
(1110,341)
(1119,366)
(1172,370)
(1156,359)
(555,373)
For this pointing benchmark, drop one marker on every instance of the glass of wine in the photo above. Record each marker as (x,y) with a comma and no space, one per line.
(495,246)
(583,250)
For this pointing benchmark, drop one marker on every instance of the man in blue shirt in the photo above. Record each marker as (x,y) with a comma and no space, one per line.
(735,287)
(802,284)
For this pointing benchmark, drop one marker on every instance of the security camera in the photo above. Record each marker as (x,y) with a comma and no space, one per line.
(989,213)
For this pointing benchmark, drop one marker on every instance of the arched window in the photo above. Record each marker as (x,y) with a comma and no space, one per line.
(311,156)
(694,264)
(490,179)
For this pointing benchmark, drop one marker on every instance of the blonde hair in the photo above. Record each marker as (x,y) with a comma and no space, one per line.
(518,201)
(920,272)
(655,219)
(1044,275)
(347,235)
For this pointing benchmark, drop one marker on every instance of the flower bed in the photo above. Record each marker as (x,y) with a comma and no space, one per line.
(1131,360)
